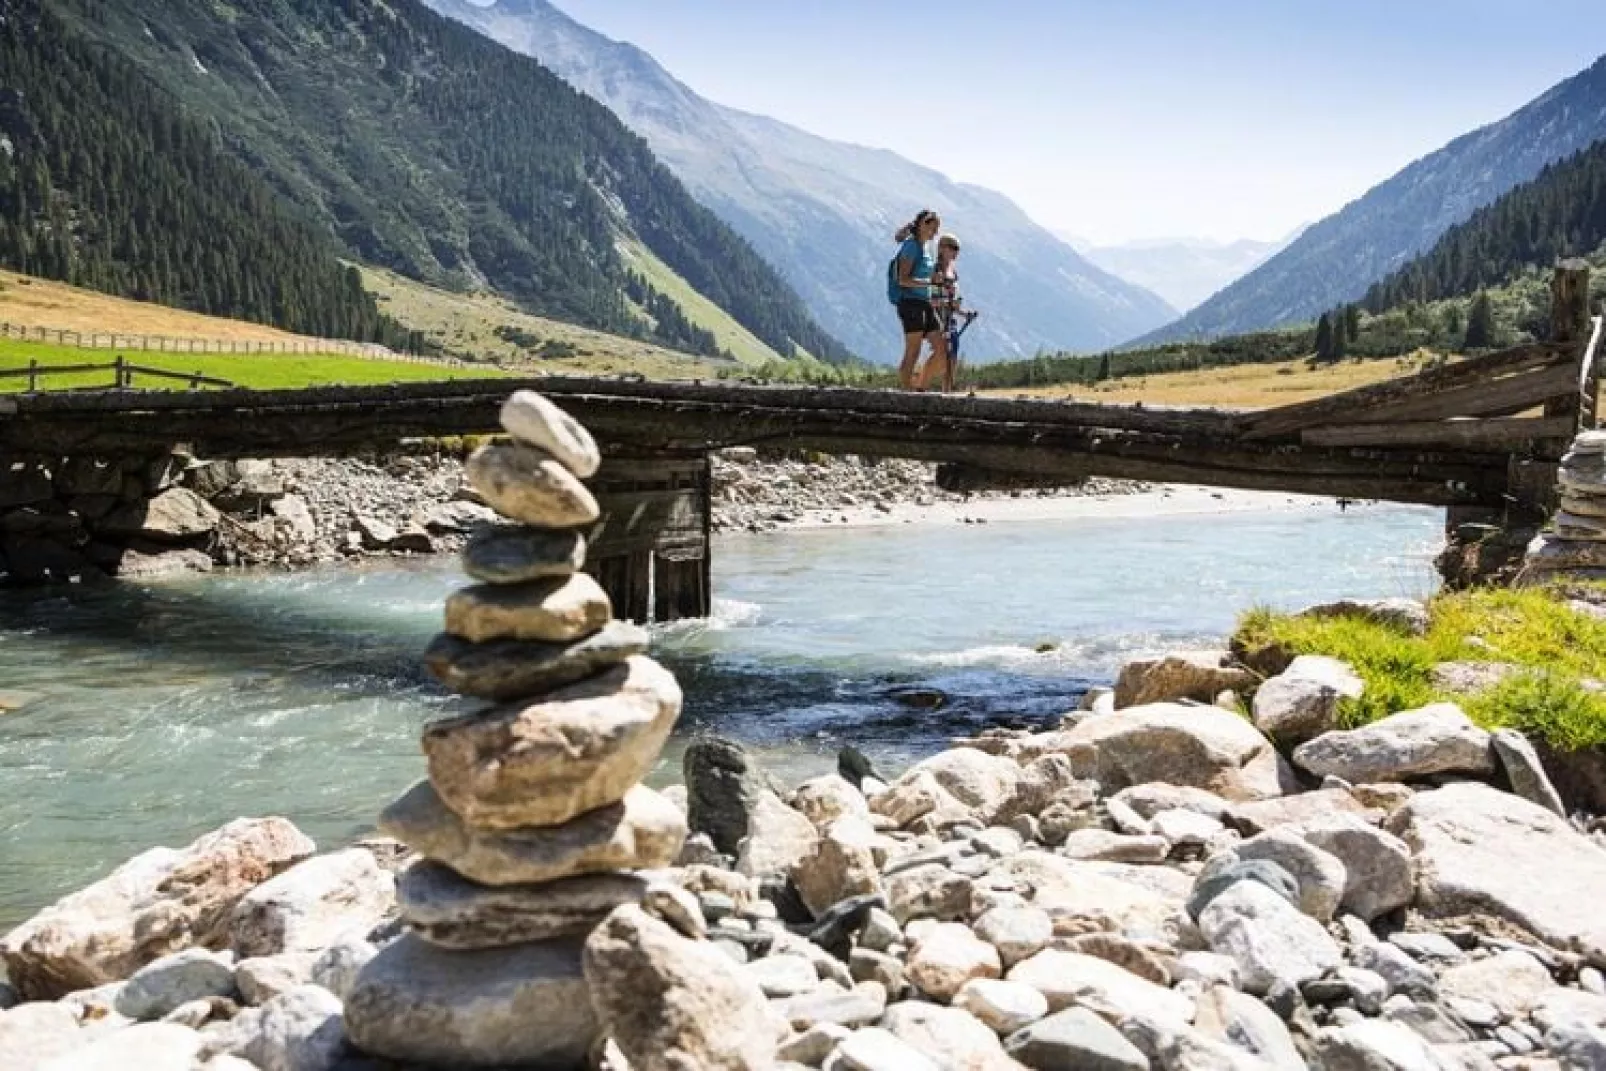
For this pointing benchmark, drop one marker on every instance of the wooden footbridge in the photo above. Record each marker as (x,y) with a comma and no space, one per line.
(1483,433)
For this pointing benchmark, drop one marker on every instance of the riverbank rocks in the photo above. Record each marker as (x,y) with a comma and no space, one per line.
(1436,739)
(1196,675)
(159,902)
(1480,851)
(533,822)
(1303,700)
(1195,747)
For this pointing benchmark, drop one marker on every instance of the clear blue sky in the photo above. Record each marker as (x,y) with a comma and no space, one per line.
(1124,119)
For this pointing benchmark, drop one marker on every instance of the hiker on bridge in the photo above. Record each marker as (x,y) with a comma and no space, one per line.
(909,287)
(951,312)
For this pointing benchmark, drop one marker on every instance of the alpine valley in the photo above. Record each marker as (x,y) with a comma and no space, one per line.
(825,211)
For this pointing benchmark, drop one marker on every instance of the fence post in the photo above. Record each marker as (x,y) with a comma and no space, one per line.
(119,372)
(33,376)
(1570,323)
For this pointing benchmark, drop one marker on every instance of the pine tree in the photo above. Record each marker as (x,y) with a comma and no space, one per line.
(1352,323)
(1104,369)
(1324,338)
(1480,324)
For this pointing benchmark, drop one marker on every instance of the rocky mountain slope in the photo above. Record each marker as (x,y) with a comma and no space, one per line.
(429,150)
(1338,258)
(823,212)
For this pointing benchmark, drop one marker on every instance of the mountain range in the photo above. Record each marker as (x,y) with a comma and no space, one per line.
(823,211)
(1184,271)
(1338,258)
(423,147)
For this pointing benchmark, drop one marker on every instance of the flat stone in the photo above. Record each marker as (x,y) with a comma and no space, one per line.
(1480,851)
(1075,1040)
(931,891)
(1262,815)
(1065,887)
(1124,952)
(875,1049)
(314,902)
(535,421)
(1186,829)
(158,902)
(644,831)
(516,554)
(1067,978)
(1201,747)
(552,610)
(1379,875)
(1513,982)
(530,486)
(1321,876)
(784,975)
(951,1037)
(1004,1007)
(1524,772)
(159,987)
(1017,932)
(584,746)
(812,1046)
(1104,846)
(851,1009)
(448,910)
(1152,799)
(1468,678)
(1196,675)
(507,670)
(946,957)
(177,514)
(1270,940)
(1435,739)
(1374,1045)
(1303,700)
(527,1004)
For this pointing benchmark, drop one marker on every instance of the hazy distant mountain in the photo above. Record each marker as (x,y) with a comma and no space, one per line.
(823,212)
(1338,258)
(1184,271)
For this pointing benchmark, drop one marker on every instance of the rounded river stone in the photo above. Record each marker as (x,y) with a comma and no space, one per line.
(644,831)
(555,610)
(446,909)
(530,486)
(533,419)
(514,669)
(514,553)
(582,747)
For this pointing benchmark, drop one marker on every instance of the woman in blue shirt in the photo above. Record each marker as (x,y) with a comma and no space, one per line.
(916,311)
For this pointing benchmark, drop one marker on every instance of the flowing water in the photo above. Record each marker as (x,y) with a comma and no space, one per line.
(151,714)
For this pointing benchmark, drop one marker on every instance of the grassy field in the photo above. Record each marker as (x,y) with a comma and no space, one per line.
(1559,652)
(1250,386)
(465,326)
(257,370)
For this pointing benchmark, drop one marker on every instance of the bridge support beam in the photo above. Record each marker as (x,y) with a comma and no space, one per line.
(651,550)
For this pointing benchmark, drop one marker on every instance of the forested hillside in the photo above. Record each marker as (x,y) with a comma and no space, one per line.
(104,184)
(1561,213)
(428,149)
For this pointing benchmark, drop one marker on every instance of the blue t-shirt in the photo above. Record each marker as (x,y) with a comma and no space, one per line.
(924,264)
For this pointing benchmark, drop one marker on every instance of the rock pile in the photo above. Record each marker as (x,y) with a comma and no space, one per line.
(1576,541)
(532,822)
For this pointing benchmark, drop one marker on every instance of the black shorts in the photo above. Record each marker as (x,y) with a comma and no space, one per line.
(918,317)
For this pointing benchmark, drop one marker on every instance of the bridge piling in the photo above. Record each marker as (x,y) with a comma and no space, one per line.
(651,550)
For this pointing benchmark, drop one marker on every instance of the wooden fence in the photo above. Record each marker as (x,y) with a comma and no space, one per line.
(123,373)
(122,340)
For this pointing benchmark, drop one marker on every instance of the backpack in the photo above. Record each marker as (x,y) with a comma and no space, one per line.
(894,291)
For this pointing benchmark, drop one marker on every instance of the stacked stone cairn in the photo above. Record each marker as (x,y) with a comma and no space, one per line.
(532,823)
(1575,544)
